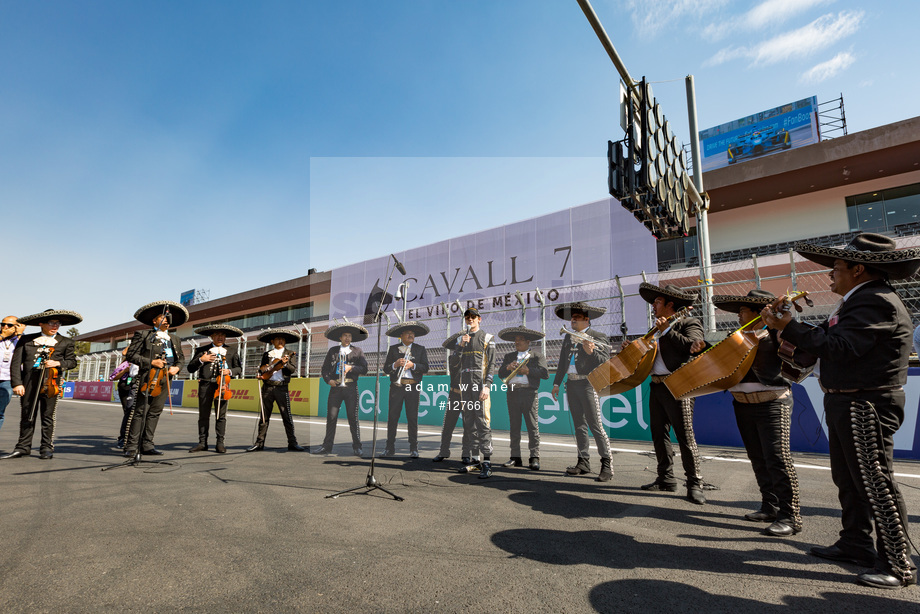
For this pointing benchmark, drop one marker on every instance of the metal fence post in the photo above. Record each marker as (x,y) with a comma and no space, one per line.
(756,271)
(792,274)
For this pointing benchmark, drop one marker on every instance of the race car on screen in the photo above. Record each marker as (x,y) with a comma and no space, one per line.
(758,142)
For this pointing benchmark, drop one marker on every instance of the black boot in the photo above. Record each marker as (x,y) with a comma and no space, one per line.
(485,470)
(534,463)
(606,473)
(579,468)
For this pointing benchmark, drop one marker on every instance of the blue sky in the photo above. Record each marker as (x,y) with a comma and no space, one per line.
(147,148)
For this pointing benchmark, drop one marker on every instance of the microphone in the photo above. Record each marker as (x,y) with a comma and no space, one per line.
(399,265)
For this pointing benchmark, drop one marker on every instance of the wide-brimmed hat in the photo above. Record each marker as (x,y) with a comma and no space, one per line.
(564,310)
(450,340)
(871,249)
(210,329)
(418,328)
(66,318)
(509,334)
(753,300)
(290,336)
(671,293)
(148,312)
(358,332)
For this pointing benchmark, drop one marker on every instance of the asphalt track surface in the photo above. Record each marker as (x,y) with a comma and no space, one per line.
(254,532)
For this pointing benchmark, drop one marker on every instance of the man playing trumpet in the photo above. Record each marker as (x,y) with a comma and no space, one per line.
(577,359)
(521,372)
(406,363)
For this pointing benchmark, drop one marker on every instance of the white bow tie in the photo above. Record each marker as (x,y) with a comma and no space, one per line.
(220,351)
(276,353)
(162,334)
(45,340)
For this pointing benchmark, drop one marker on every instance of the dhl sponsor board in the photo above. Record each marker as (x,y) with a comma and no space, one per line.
(246,395)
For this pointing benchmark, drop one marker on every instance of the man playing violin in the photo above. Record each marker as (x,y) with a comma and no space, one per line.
(522,371)
(41,359)
(276,369)
(674,349)
(576,360)
(216,363)
(158,354)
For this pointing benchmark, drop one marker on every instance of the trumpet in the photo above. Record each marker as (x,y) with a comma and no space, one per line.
(505,380)
(578,337)
(402,370)
(341,368)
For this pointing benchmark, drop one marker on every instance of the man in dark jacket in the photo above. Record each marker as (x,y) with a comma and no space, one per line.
(343,364)
(405,364)
(576,361)
(216,363)
(665,412)
(277,367)
(862,352)
(34,356)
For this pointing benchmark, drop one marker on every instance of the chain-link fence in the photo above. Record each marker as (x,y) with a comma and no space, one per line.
(777,273)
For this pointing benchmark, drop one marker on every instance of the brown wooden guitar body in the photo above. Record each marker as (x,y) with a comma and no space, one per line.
(717,369)
(627,369)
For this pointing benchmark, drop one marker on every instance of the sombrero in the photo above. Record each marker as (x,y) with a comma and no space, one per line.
(509,334)
(148,312)
(290,336)
(418,328)
(871,249)
(210,329)
(753,300)
(67,318)
(671,293)
(564,310)
(358,332)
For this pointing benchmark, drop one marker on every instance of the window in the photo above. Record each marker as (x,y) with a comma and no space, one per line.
(680,249)
(882,210)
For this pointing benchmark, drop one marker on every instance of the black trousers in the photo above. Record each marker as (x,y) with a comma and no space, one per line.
(764,429)
(398,396)
(154,407)
(46,412)
(348,395)
(451,414)
(856,509)
(126,394)
(279,395)
(522,403)
(666,412)
(585,408)
(206,404)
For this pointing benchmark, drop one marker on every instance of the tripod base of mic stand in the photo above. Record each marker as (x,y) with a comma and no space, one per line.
(136,460)
(370,484)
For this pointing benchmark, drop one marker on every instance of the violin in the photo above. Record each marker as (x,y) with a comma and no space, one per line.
(268,370)
(154,384)
(51,386)
(223,391)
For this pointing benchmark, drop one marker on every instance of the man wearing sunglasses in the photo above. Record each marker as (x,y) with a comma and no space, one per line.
(10,332)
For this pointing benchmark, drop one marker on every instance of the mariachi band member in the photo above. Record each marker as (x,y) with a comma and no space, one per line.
(343,364)
(577,359)
(279,364)
(38,358)
(665,412)
(406,363)
(862,352)
(528,367)
(217,363)
(452,411)
(159,355)
(475,351)
(763,411)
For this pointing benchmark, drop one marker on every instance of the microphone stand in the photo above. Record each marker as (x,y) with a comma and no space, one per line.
(370,482)
(137,458)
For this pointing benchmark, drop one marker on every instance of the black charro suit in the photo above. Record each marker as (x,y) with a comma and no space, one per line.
(146,345)
(209,386)
(347,393)
(522,401)
(23,374)
(407,392)
(665,411)
(584,404)
(863,357)
(275,391)
(764,427)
